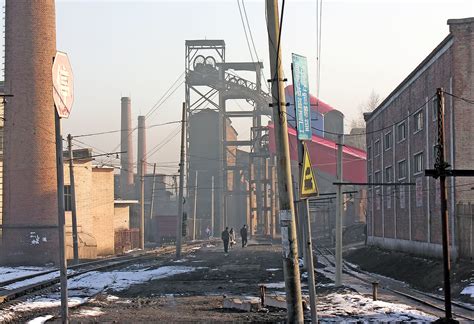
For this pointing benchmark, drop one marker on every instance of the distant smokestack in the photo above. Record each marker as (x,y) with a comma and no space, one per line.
(141,149)
(30,211)
(126,161)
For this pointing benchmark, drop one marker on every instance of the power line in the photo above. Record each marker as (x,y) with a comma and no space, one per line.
(122,130)
(245,31)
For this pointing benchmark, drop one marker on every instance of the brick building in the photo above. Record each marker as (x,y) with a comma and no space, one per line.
(401,134)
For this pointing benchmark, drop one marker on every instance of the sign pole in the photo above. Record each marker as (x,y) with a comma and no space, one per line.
(61,225)
(308,186)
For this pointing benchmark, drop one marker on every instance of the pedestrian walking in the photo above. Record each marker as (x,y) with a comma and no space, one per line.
(225,238)
(243,234)
(231,237)
(208,232)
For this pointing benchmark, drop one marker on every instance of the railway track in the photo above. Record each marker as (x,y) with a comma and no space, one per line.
(10,296)
(460,311)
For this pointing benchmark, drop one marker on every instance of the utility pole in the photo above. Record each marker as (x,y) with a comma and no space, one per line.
(61,220)
(195,204)
(179,229)
(142,205)
(287,212)
(212,206)
(75,244)
(340,142)
(151,203)
(441,166)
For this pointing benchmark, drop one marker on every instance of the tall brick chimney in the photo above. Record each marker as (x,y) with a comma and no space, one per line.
(126,161)
(30,234)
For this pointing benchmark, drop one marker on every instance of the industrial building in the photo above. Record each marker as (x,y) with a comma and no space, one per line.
(401,139)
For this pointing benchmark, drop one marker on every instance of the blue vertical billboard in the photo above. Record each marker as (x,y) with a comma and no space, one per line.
(301,97)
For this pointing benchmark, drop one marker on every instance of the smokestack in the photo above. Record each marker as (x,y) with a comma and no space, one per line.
(30,234)
(141,149)
(126,161)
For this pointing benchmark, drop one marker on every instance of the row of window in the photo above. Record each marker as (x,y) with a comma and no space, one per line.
(401,168)
(401,131)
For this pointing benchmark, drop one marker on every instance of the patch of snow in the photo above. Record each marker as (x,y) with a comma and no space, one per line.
(8,273)
(180,261)
(94,282)
(196,248)
(210,245)
(342,307)
(469,290)
(273,269)
(112,298)
(90,312)
(34,280)
(40,320)
(276,285)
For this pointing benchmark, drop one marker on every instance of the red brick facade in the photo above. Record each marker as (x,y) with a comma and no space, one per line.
(408,217)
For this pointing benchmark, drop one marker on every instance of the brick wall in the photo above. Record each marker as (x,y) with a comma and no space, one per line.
(102,209)
(404,215)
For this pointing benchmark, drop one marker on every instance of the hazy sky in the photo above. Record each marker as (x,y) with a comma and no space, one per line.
(136,48)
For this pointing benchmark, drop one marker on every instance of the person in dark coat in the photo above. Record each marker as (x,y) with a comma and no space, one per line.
(225,238)
(243,234)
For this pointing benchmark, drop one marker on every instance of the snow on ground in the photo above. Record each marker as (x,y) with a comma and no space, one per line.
(90,312)
(354,308)
(84,286)
(94,282)
(273,269)
(40,320)
(34,280)
(8,273)
(469,290)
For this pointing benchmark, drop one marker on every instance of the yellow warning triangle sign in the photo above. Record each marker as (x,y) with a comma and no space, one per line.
(308,184)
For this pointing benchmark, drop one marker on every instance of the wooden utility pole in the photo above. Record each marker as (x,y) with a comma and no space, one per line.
(287,212)
(142,205)
(151,203)
(75,243)
(212,206)
(195,204)
(61,220)
(441,166)
(179,227)
(340,143)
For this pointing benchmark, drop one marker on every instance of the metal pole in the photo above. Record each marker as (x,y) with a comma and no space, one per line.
(340,141)
(287,212)
(179,227)
(151,203)
(195,204)
(212,206)
(309,263)
(75,243)
(441,166)
(142,206)
(61,222)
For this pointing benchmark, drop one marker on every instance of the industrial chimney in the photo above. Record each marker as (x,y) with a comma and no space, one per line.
(126,161)
(30,234)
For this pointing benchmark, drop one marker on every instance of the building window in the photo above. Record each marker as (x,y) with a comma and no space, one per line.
(434,105)
(377,148)
(369,153)
(402,169)
(387,143)
(418,163)
(401,132)
(377,177)
(418,121)
(67,198)
(388,174)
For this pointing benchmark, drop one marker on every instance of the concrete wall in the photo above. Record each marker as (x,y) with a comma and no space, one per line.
(102,194)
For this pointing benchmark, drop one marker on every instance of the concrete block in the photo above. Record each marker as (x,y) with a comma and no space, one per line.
(247,305)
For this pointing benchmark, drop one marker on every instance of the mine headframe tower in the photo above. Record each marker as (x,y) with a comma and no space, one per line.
(210,82)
